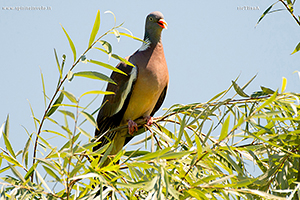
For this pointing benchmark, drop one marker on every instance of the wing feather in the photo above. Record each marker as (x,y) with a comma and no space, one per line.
(114,106)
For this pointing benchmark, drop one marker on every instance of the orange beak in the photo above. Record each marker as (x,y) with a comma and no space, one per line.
(162,23)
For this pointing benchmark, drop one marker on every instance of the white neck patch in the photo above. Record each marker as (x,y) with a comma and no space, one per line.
(145,45)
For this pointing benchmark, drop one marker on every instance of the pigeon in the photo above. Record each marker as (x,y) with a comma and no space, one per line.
(137,95)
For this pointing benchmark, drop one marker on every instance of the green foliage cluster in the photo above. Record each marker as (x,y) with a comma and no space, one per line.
(195,151)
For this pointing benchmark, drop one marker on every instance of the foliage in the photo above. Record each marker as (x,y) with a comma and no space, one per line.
(289,6)
(195,151)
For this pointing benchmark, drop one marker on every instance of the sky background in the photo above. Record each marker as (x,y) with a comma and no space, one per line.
(207,44)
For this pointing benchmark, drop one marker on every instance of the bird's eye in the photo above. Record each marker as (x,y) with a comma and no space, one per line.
(151,18)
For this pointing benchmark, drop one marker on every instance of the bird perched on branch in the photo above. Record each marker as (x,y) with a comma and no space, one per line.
(139,94)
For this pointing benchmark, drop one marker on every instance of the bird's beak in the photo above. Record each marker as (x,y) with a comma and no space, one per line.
(162,23)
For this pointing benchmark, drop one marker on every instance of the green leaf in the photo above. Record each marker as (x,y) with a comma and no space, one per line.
(174,155)
(115,56)
(94,75)
(224,131)
(70,96)
(42,181)
(68,113)
(25,151)
(89,117)
(107,66)
(54,108)
(283,87)
(199,146)
(11,160)
(6,126)
(182,127)
(265,12)
(55,132)
(267,90)
(58,65)
(131,36)
(8,146)
(95,28)
(71,44)
(240,122)
(17,173)
(76,169)
(97,92)
(296,49)
(107,152)
(30,171)
(44,90)
(51,173)
(85,133)
(238,90)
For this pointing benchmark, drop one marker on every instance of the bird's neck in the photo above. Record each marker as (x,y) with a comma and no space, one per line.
(150,41)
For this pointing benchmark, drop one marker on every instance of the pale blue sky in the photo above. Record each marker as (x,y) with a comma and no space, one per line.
(207,44)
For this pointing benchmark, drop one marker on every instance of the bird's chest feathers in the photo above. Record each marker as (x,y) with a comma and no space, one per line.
(149,85)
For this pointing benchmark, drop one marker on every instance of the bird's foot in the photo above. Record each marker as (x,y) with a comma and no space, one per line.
(132,126)
(149,120)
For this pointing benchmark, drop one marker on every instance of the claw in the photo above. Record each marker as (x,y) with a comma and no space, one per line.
(149,120)
(132,126)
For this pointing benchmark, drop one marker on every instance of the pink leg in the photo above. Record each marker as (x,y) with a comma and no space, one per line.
(149,120)
(132,126)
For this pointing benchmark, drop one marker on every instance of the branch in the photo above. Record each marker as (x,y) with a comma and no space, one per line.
(298,22)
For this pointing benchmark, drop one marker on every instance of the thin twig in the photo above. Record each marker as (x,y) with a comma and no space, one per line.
(298,22)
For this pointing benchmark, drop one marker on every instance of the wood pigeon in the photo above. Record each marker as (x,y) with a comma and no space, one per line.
(139,94)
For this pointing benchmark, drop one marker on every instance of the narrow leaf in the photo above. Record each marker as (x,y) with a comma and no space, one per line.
(58,65)
(6,126)
(108,11)
(43,181)
(89,117)
(51,173)
(103,159)
(16,173)
(283,87)
(238,90)
(296,49)
(267,90)
(224,131)
(115,56)
(131,36)
(8,146)
(97,92)
(95,28)
(70,96)
(54,108)
(68,113)
(44,90)
(71,44)
(107,66)
(199,146)
(25,151)
(94,75)
(265,12)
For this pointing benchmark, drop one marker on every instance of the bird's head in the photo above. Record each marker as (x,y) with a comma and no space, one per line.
(155,23)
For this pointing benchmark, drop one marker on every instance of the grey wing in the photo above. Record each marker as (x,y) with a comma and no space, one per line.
(114,106)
